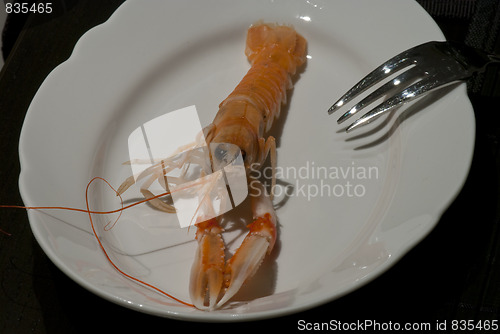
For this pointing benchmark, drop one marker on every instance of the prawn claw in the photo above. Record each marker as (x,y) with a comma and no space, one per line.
(207,272)
(249,256)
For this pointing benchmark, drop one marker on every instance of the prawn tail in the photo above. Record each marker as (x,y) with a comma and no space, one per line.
(275,52)
(280,43)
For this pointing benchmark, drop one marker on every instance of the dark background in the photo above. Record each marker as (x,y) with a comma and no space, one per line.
(453,274)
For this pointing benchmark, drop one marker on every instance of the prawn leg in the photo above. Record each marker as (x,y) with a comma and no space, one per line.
(268,148)
(161,167)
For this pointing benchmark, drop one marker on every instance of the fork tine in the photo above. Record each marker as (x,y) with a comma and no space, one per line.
(383,71)
(405,77)
(417,89)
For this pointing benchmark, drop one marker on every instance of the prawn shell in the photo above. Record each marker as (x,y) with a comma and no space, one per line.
(275,52)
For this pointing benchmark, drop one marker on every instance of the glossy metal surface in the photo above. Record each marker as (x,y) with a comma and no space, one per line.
(429,66)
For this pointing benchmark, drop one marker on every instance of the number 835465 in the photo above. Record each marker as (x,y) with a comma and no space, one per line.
(24,8)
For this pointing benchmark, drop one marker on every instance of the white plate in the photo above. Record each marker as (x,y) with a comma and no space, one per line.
(152,57)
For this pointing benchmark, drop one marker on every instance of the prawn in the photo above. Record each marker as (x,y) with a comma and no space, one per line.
(244,117)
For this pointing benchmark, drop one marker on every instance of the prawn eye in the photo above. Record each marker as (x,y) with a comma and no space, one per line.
(225,153)
(220,153)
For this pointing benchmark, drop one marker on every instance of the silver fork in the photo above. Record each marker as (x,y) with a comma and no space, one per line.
(429,66)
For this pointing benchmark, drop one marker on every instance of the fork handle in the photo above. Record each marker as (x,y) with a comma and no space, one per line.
(470,56)
(493,58)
